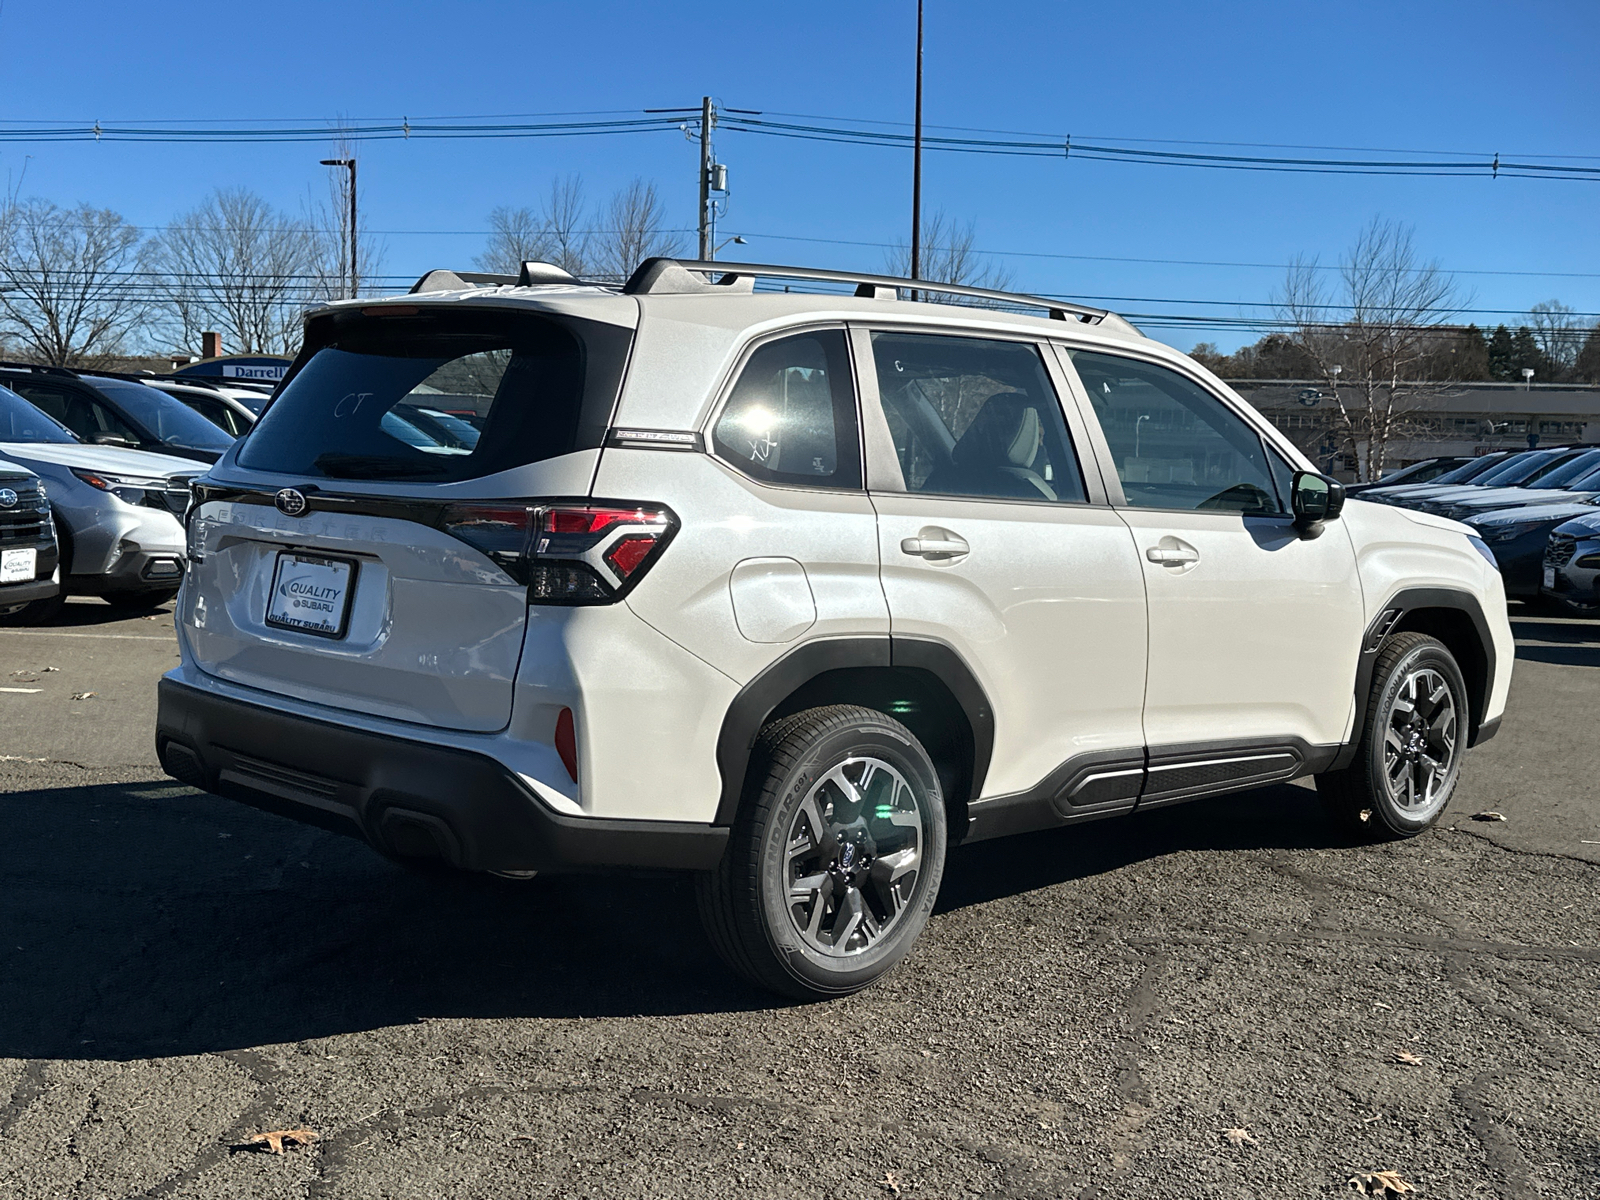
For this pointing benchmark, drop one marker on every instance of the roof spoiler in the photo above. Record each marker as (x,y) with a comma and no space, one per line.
(531,274)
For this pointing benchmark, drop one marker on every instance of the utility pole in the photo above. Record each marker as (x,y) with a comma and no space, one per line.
(350,163)
(707,119)
(916,166)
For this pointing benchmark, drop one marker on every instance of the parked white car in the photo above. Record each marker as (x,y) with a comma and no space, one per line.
(795,591)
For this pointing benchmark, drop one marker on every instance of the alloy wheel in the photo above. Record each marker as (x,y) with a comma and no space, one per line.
(854,855)
(1420,741)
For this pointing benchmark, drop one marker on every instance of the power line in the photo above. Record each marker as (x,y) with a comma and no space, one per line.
(662,120)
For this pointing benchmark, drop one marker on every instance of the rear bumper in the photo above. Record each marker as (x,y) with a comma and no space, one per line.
(409,799)
(23,593)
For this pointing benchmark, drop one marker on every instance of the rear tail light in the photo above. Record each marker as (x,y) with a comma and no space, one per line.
(578,553)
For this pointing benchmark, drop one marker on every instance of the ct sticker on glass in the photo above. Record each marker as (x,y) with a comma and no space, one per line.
(311,594)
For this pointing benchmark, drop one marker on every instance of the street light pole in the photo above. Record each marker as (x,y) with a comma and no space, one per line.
(351,164)
(916,166)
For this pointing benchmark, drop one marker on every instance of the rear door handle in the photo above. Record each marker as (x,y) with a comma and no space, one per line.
(1173,556)
(936,543)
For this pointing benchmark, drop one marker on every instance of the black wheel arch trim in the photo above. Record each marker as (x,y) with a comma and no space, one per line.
(1391,615)
(761,696)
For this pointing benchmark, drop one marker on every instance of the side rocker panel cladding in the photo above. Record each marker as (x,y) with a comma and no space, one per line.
(763,694)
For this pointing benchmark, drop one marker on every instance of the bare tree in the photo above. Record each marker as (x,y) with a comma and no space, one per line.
(634,229)
(949,255)
(64,282)
(1370,337)
(555,234)
(238,266)
(1559,333)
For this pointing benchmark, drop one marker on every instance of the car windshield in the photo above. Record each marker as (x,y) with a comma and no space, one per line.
(22,422)
(1577,468)
(1589,482)
(168,419)
(1471,470)
(1514,470)
(253,400)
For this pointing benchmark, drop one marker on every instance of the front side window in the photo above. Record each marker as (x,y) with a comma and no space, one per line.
(23,422)
(87,418)
(1175,445)
(791,418)
(974,417)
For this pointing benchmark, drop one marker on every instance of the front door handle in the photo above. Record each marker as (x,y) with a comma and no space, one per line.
(935,543)
(1173,556)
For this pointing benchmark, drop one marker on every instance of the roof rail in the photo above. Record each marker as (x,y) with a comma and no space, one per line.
(670,276)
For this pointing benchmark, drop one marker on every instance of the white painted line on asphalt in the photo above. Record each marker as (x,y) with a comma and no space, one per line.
(123,637)
(24,691)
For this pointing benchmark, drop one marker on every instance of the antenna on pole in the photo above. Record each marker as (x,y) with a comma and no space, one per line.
(916,168)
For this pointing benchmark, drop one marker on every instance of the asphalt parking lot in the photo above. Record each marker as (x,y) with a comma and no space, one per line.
(1089,1014)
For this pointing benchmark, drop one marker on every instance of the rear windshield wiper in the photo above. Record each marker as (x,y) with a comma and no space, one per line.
(361,466)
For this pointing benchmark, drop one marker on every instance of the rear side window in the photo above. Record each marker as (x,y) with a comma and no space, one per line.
(792,416)
(443,397)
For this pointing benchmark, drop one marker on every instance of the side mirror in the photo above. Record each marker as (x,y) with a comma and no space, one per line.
(109,439)
(1314,499)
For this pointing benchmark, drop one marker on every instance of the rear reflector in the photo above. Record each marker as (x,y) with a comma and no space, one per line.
(567,743)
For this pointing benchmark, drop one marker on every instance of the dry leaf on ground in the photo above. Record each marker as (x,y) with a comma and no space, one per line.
(1239,1137)
(274,1141)
(1491,815)
(1380,1183)
(81,695)
(891,1182)
(1410,1059)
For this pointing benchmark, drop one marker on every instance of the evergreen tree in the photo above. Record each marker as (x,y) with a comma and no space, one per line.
(1587,368)
(1500,352)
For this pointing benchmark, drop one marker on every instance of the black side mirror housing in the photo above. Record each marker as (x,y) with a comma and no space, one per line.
(1314,500)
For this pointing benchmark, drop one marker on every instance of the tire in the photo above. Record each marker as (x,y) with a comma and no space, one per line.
(875,862)
(36,612)
(139,601)
(1397,787)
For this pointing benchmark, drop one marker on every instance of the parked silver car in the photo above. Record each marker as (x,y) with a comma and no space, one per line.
(118,513)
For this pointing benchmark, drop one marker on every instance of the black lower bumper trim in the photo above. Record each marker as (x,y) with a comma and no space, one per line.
(23,593)
(407,798)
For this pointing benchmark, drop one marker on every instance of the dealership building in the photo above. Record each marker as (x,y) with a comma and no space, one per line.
(1441,419)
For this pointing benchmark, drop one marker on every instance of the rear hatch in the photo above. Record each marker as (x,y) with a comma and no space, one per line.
(358,548)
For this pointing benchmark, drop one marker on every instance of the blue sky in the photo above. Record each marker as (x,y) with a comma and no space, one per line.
(1465,77)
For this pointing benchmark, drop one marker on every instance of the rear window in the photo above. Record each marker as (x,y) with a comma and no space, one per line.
(446,396)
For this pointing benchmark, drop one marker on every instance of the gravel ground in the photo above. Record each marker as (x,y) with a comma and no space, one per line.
(1089,1012)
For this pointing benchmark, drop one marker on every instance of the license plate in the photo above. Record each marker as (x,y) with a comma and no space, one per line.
(18,566)
(1550,577)
(311,594)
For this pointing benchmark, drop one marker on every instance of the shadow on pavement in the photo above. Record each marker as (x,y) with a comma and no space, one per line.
(88,612)
(149,920)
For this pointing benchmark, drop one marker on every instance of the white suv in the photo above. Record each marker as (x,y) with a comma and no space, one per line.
(795,591)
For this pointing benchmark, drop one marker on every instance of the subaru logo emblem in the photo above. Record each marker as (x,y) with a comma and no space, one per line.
(8,498)
(290,502)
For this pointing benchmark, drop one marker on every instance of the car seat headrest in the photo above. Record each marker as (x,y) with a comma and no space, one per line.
(1006,431)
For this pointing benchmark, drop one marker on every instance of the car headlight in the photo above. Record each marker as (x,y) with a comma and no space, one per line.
(1587,561)
(1509,533)
(1488,554)
(129,489)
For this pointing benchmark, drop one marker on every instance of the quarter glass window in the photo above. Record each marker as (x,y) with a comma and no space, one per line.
(1174,444)
(792,416)
(974,417)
